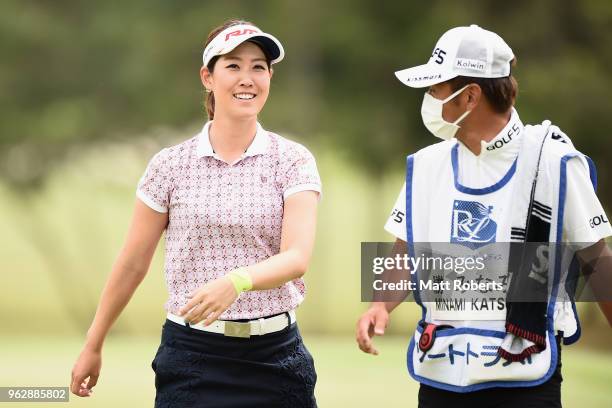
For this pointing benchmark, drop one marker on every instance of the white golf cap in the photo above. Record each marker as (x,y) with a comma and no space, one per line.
(235,35)
(462,51)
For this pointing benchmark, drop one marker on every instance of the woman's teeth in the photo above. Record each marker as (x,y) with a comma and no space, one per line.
(244,96)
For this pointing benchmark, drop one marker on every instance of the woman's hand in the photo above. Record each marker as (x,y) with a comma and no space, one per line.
(209,302)
(85,372)
(372,322)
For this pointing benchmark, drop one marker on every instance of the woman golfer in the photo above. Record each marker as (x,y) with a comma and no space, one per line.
(491,181)
(238,205)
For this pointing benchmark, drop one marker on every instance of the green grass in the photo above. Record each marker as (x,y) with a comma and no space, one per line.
(346,377)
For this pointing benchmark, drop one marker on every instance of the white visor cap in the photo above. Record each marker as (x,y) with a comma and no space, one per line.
(462,51)
(233,36)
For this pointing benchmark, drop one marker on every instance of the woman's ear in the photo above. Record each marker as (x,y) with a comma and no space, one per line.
(271,72)
(206,78)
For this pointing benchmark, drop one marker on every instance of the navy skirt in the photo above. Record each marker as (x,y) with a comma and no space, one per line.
(200,369)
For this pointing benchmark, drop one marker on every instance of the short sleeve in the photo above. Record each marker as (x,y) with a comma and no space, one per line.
(298,171)
(585,221)
(154,185)
(396,223)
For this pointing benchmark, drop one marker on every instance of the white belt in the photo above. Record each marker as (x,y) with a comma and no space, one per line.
(257,327)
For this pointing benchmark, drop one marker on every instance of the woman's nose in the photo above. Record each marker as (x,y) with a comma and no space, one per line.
(246,80)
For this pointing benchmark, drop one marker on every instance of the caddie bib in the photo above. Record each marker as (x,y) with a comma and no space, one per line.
(440,209)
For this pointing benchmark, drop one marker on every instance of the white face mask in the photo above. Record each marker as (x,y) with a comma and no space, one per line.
(431,112)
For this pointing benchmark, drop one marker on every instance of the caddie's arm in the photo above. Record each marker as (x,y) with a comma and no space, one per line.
(374,321)
(596,261)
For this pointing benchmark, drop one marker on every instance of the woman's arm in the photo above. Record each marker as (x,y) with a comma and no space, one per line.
(128,271)
(297,241)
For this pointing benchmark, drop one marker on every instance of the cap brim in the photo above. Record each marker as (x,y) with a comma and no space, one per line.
(423,76)
(270,45)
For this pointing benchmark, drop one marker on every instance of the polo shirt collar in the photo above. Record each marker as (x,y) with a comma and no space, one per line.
(507,142)
(259,145)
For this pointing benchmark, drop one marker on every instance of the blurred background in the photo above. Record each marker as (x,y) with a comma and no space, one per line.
(90,91)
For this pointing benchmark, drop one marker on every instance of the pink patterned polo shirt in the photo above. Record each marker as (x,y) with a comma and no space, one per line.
(223,216)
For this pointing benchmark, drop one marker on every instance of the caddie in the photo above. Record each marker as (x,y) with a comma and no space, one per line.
(492,180)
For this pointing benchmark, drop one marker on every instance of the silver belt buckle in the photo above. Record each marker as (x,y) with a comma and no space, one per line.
(237,329)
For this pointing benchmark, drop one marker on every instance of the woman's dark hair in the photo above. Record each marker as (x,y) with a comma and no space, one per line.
(500,92)
(209,98)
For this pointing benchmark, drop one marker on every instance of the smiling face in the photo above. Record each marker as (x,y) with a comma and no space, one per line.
(240,82)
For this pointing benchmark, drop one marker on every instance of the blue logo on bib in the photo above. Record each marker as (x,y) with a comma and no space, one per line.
(472,225)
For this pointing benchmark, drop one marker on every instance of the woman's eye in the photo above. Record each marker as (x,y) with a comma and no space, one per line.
(259,67)
(232,66)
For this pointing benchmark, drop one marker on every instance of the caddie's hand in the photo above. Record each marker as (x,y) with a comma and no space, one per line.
(85,372)
(209,302)
(372,322)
